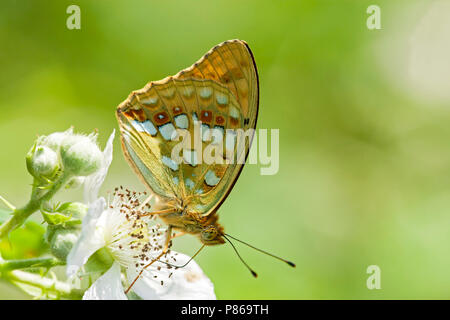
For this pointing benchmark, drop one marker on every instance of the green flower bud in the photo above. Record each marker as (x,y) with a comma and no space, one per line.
(42,161)
(54,140)
(64,227)
(80,155)
(61,240)
(76,210)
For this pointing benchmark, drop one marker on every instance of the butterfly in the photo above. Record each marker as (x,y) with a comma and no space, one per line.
(217,97)
(220,93)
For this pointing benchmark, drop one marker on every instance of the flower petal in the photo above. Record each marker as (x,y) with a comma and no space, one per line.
(93,182)
(90,240)
(188,283)
(107,287)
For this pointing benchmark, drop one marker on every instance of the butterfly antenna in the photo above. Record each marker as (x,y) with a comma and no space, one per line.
(235,250)
(262,251)
(192,258)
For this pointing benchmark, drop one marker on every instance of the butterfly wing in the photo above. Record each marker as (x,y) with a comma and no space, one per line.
(231,63)
(221,91)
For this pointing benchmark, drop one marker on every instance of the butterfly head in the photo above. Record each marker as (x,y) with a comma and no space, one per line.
(212,235)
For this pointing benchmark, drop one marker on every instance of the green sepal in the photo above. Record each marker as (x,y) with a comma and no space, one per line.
(98,263)
(29,158)
(57,219)
(67,215)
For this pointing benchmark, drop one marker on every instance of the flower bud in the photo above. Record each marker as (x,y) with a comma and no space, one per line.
(76,210)
(61,240)
(64,227)
(54,140)
(42,161)
(80,155)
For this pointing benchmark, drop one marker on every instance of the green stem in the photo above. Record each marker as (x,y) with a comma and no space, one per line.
(8,265)
(19,216)
(52,286)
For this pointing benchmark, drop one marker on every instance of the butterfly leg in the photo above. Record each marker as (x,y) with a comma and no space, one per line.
(178,234)
(163,252)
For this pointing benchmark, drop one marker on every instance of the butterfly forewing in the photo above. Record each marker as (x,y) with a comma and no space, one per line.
(231,63)
(218,93)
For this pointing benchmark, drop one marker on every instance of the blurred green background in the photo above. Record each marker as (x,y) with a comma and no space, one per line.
(364,119)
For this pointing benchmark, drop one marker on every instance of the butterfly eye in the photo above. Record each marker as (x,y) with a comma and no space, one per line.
(209,234)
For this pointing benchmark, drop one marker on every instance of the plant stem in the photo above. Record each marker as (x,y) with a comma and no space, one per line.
(8,265)
(55,287)
(19,216)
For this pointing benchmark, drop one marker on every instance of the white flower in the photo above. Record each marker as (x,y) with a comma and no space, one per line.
(132,243)
(93,182)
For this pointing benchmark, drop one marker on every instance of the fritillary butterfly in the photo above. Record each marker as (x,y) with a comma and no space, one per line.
(219,93)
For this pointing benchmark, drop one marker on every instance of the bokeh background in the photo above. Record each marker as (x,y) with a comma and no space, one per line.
(364,120)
